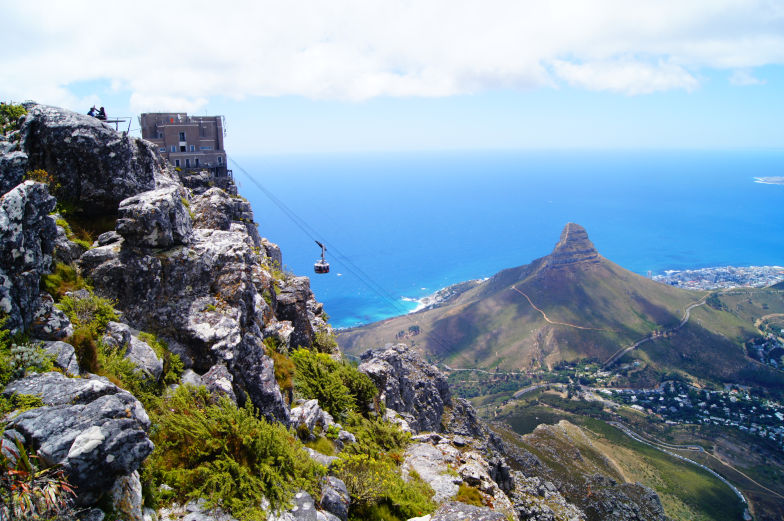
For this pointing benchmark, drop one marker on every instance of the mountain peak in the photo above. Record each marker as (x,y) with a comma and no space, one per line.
(573,247)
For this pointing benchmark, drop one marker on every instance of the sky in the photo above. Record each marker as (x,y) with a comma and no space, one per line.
(318,76)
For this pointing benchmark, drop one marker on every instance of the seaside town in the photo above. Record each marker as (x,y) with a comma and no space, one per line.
(722,277)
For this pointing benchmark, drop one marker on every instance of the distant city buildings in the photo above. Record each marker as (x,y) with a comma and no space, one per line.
(188,142)
(723,277)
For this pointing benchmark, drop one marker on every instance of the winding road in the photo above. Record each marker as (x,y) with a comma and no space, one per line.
(686,315)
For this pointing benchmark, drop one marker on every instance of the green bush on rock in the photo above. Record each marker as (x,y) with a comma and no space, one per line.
(225,454)
(338,386)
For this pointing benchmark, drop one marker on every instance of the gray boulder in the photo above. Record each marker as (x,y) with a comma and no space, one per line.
(96,431)
(193,511)
(219,381)
(155,219)
(65,250)
(310,416)
(64,356)
(126,497)
(97,166)
(335,498)
(26,242)
(49,323)
(13,166)
(120,336)
(453,510)
(409,385)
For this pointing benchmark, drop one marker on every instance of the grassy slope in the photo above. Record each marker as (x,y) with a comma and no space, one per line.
(686,492)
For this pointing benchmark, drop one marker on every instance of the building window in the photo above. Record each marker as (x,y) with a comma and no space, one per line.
(192,148)
(176,162)
(173,148)
(220,160)
(182,136)
(187,163)
(162,149)
(205,148)
(197,161)
(182,148)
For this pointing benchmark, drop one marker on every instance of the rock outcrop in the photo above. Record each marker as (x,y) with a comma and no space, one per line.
(26,242)
(96,431)
(573,247)
(416,390)
(92,162)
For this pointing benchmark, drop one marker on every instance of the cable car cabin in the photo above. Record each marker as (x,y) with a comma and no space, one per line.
(321,266)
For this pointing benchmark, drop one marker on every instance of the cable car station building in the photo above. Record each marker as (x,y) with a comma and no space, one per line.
(188,142)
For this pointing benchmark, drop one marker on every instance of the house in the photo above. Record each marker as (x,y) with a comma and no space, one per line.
(188,142)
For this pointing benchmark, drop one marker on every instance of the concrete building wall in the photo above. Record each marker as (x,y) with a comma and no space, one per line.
(189,142)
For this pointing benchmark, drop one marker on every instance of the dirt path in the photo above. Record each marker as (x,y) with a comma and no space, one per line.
(547,319)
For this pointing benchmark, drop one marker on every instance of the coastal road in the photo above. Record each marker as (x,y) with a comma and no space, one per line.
(686,315)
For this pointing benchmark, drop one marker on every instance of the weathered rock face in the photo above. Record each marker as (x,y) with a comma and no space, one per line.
(309,416)
(206,298)
(93,163)
(49,323)
(121,337)
(155,219)
(95,430)
(26,244)
(413,388)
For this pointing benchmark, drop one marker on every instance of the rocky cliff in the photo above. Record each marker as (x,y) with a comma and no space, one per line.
(175,272)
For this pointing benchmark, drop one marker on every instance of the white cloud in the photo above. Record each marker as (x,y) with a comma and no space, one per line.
(744,78)
(625,76)
(182,53)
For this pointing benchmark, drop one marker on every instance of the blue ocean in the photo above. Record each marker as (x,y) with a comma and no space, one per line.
(399,226)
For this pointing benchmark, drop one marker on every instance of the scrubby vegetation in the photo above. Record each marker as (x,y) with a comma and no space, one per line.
(89,317)
(225,454)
(9,117)
(338,386)
(63,279)
(378,491)
(469,495)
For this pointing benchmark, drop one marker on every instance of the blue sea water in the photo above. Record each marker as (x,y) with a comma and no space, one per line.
(403,225)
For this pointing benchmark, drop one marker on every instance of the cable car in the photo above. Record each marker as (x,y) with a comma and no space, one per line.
(321,266)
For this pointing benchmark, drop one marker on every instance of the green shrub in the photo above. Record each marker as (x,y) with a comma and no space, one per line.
(226,455)
(469,495)
(9,117)
(325,342)
(64,278)
(284,367)
(85,343)
(338,386)
(93,312)
(375,436)
(18,356)
(172,364)
(89,317)
(375,486)
(19,402)
(323,445)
